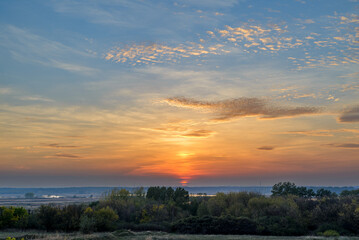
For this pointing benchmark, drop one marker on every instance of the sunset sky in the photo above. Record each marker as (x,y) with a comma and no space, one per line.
(179,92)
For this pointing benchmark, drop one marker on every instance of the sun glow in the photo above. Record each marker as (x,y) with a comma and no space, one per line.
(185,154)
(184,181)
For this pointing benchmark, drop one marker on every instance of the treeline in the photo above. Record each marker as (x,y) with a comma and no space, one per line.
(290,210)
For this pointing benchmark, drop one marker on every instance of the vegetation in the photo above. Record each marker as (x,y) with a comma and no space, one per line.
(290,211)
(147,235)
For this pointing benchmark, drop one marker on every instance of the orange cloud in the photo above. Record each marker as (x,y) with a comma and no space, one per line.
(199,133)
(64,155)
(268,148)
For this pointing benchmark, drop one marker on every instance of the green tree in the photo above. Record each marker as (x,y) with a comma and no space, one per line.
(22,217)
(7,217)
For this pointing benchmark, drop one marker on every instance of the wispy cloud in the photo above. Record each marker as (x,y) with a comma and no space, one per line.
(266,148)
(211,3)
(344,145)
(318,133)
(5,91)
(199,133)
(35,98)
(182,129)
(323,132)
(242,107)
(118,13)
(29,47)
(58,146)
(66,155)
(350,116)
(348,145)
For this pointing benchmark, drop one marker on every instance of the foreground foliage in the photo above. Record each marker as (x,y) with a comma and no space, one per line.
(290,211)
(149,235)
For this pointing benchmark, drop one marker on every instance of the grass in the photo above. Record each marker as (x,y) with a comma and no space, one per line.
(149,235)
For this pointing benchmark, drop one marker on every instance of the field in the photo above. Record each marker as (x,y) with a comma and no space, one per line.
(129,235)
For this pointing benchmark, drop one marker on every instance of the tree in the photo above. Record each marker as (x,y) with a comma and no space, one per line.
(117,194)
(22,217)
(288,188)
(181,196)
(70,217)
(169,194)
(349,193)
(139,192)
(153,193)
(284,189)
(7,218)
(324,193)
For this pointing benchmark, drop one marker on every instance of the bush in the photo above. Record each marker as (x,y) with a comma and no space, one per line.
(71,217)
(280,226)
(87,224)
(105,219)
(49,217)
(331,233)
(215,225)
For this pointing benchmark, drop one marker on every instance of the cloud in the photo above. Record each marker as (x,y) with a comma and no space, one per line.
(242,107)
(318,133)
(152,53)
(323,132)
(5,91)
(199,133)
(254,38)
(181,130)
(26,46)
(267,148)
(350,115)
(56,145)
(104,12)
(36,98)
(350,87)
(211,3)
(64,155)
(348,145)
(247,37)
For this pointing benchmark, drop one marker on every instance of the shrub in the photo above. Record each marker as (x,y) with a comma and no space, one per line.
(215,225)
(87,224)
(331,233)
(105,219)
(49,217)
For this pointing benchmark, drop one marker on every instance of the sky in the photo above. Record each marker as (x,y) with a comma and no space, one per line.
(179,92)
